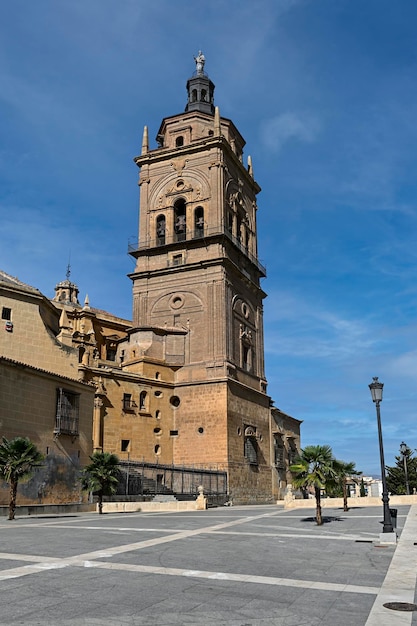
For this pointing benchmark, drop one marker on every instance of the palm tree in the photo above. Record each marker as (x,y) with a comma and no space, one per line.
(343,472)
(313,468)
(18,458)
(101,475)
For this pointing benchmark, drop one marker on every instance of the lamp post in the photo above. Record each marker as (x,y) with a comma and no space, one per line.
(403,450)
(376,388)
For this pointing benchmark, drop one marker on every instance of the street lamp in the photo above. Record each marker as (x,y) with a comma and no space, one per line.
(403,450)
(376,388)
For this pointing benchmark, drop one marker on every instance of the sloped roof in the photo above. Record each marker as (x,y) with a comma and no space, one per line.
(33,368)
(14,283)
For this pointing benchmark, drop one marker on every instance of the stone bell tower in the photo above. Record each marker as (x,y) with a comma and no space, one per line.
(197,279)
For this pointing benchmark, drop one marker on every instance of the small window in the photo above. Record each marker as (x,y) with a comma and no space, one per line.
(125,445)
(173,433)
(160,230)
(246,358)
(175,401)
(230,223)
(111,354)
(127,402)
(199,222)
(157,450)
(158,414)
(179,141)
(177,259)
(81,352)
(6,314)
(142,400)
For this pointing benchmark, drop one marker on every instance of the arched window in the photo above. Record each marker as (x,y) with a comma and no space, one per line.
(203,95)
(194,95)
(142,400)
(179,141)
(251,446)
(160,230)
(199,222)
(180,224)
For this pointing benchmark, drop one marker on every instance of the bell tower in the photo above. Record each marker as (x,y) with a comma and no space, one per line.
(197,278)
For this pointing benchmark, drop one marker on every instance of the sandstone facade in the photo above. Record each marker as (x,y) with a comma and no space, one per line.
(184,382)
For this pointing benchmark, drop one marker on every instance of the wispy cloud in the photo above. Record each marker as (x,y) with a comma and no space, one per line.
(290,126)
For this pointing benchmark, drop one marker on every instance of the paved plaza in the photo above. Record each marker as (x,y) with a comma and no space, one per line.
(234,566)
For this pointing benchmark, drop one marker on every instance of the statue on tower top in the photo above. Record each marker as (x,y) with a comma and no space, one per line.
(199,62)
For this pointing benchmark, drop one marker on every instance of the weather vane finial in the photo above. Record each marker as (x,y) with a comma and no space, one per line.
(68,274)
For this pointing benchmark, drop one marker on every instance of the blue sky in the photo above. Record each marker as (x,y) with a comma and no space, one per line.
(325,94)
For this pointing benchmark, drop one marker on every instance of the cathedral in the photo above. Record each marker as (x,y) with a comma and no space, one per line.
(182,384)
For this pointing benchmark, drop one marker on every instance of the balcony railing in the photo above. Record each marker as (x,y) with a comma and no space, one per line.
(191,235)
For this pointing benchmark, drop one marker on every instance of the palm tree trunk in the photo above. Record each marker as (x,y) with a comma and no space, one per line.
(319,519)
(12,500)
(100,502)
(345,502)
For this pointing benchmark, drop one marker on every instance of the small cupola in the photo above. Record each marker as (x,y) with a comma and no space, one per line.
(66,291)
(200,89)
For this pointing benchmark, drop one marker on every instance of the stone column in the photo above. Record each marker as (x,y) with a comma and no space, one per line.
(98,403)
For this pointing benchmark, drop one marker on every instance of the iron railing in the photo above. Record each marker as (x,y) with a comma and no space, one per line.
(134,245)
(141,479)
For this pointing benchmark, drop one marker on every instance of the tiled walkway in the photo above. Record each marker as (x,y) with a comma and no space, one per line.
(240,566)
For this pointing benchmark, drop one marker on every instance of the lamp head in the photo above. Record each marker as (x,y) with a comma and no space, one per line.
(376,388)
(403,448)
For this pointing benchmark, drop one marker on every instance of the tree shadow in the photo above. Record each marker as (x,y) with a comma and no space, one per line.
(327,519)
(351,508)
(51,516)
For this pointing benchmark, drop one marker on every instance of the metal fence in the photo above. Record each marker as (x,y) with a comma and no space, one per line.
(141,479)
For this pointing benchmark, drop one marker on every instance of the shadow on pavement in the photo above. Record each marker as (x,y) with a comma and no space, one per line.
(327,519)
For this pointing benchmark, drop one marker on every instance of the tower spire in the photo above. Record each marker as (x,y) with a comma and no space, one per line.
(145,141)
(200,88)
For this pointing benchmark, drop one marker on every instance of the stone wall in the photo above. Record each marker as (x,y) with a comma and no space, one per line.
(32,340)
(28,399)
